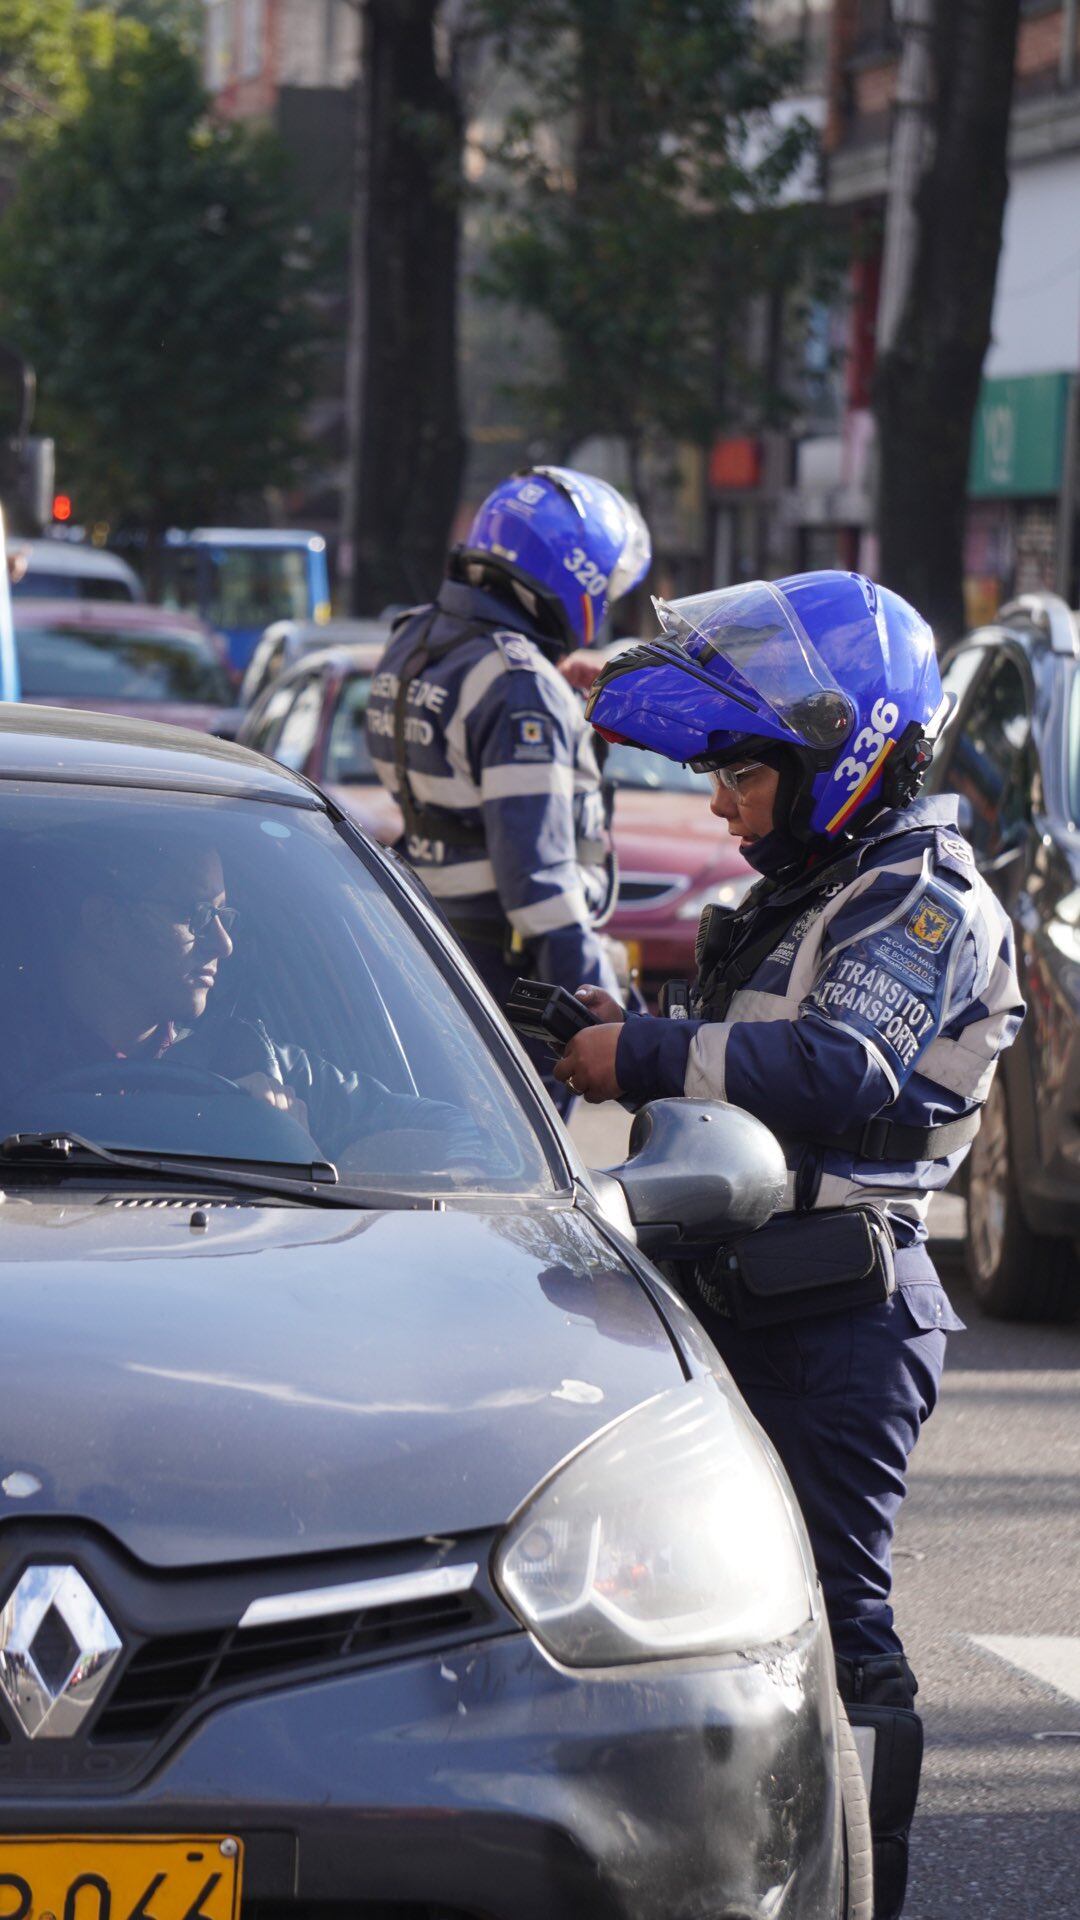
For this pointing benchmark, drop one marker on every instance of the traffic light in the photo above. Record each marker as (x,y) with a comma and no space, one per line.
(61,506)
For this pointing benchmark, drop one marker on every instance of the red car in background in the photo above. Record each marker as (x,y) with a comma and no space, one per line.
(674,857)
(111,656)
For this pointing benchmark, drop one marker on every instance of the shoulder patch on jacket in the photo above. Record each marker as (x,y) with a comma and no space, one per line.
(929,925)
(516,649)
(531,737)
(890,984)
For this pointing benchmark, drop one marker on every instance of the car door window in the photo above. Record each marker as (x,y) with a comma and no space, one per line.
(1073,747)
(347,758)
(263,668)
(297,736)
(960,673)
(263,734)
(991,763)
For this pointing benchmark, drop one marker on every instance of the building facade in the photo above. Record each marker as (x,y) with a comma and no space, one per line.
(1021,524)
(253,48)
(292,65)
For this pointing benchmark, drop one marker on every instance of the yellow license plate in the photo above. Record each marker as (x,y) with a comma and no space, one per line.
(100,1877)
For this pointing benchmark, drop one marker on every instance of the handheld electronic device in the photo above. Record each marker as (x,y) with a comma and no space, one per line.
(538,1011)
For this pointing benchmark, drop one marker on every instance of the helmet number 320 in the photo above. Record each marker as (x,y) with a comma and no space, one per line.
(884,715)
(586,572)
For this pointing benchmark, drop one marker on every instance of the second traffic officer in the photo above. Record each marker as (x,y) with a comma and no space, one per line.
(484,744)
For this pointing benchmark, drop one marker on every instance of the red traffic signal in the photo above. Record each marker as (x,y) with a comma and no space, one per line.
(61,506)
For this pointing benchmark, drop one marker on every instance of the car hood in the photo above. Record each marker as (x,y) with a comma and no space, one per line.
(298,1381)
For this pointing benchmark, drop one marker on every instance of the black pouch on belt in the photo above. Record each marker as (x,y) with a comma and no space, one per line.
(803,1264)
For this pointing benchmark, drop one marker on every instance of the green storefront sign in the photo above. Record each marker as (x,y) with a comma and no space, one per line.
(1018,444)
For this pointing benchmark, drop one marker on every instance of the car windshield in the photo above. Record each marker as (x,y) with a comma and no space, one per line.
(76,663)
(650,772)
(251,586)
(185,975)
(36,584)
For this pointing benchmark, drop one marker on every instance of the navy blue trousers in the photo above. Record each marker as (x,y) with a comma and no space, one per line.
(842,1398)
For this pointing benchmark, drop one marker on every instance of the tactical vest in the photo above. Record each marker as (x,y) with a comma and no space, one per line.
(433,823)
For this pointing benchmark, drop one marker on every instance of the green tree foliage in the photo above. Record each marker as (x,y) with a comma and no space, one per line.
(182,19)
(148,268)
(48,51)
(644,207)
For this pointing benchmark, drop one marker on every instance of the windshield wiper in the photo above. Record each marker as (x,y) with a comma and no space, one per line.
(317,1184)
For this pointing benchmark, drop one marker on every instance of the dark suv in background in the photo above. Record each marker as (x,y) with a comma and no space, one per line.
(1012,753)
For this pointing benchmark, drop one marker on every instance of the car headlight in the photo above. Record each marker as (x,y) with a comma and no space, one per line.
(728,894)
(669,1534)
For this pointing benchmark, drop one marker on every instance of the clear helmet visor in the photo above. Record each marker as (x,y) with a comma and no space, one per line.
(754,631)
(633,562)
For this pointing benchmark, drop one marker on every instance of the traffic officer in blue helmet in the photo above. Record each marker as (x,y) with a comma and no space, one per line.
(482,740)
(857,1002)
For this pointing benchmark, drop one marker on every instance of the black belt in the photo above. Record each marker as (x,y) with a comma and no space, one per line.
(881,1139)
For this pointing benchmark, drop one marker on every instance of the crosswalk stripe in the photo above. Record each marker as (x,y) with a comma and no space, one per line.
(1051,1658)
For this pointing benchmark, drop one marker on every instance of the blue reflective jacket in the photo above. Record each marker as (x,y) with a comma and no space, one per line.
(892,996)
(501,763)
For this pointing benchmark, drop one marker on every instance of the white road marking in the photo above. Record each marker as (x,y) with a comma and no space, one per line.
(1051,1658)
(981,1381)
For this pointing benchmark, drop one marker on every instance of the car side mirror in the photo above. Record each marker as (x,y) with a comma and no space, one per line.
(698,1172)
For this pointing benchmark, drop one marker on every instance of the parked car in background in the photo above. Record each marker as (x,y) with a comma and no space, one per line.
(69,570)
(286,641)
(123,659)
(1012,753)
(390,1538)
(674,859)
(241,579)
(312,720)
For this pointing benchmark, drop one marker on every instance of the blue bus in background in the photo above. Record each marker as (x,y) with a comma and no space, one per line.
(241,578)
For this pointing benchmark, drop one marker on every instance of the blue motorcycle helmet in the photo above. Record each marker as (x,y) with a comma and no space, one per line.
(824,675)
(567,544)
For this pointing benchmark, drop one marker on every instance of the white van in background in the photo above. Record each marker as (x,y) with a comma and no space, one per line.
(64,570)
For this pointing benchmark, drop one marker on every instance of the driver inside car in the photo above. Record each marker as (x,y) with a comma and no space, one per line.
(135,979)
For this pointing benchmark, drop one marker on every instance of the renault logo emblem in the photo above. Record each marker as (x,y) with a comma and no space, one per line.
(57,1649)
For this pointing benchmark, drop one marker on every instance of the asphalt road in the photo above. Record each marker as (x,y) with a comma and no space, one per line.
(988,1600)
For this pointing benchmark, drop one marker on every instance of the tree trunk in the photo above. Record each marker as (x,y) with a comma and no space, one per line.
(409,444)
(927,382)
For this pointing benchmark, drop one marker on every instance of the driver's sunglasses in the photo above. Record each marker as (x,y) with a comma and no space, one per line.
(731,778)
(200,918)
